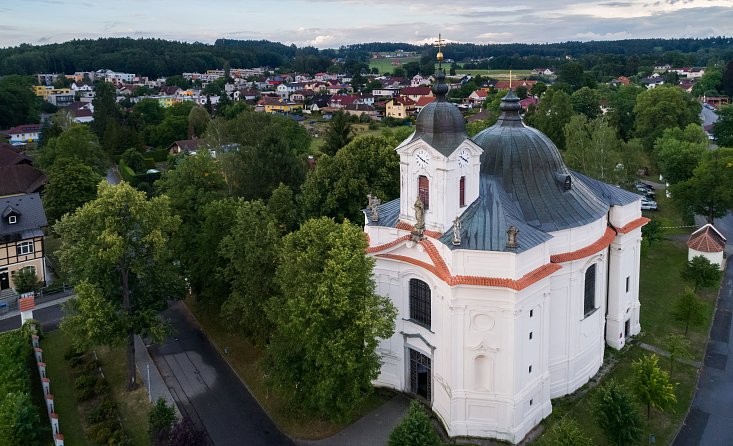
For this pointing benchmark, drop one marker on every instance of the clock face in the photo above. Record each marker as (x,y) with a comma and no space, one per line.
(463,156)
(422,157)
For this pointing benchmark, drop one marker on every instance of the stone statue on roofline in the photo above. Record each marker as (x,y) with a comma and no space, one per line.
(419,220)
(457,231)
(373,207)
(512,234)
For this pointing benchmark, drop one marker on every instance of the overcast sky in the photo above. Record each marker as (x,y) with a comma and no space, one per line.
(331,23)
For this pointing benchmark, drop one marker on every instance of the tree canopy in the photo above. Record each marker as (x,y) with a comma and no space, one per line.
(723,127)
(327,319)
(18,104)
(116,248)
(553,113)
(77,143)
(661,108)
(71,183)
(338,133)
(679,151)
(709,191)
(593,148)
(652,385)
(701,273)
(617,414)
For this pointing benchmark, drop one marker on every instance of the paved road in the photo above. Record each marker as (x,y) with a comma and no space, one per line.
(208,390)
(708,116)
(49,318)
(710,421)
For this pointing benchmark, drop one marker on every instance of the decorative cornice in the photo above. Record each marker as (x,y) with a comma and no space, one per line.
(630,226)
(600,244)
(408,227)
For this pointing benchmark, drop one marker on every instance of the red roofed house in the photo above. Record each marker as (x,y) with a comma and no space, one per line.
(529,100)
(399,107)
(477,97)
(340,101)
(23,134)
(422,102)
(503,85)
(707,242)
(415,93)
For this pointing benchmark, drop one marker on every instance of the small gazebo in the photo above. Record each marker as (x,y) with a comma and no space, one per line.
(707,242)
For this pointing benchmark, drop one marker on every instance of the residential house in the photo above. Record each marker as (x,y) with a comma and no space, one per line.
(716,101)
(418,81)
(422,102)
(662,68)
(61,99)
(505,85)
(274,105)
(17,173)
(542,72)
(340,101)
(80,86)
(318,102)
(81,111)
(187,146)
(248,94)
(476,97)
(22,220)
(400,107)
(652,81)
(44,92)
(528,101)
(687,84)
(324,77)
(621,80)
(23,134)
(361,109)
(415,93)
(302,95)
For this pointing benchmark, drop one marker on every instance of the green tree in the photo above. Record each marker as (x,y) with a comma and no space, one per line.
(327,319)
(25,280)
(198,119)
(593,148)
(701,273)
(160,421)
(76,143)
(106,109)
(538,89)
(710,83)
(71,183)
(283,208)
(617,414)
(272,150)
(723,127)
(18,104)
(116,248)
(651,232)
(652,385)
(338,134)
(679,151)
(661,108)
(194,183)
(415,429)
(571,73)
(177,81)
(586,101)
(709,191)
(147,113)
(621,114)
(250,252)
(18,420)
(688,309)
(134,160)
(553,113)
(565,432)
(339,185)
(678,347)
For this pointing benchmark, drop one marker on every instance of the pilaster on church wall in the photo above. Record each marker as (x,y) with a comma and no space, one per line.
(622,215)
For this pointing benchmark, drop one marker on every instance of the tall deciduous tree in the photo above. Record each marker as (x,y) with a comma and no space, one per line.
(339,185)
(723,127)
(283,208)
(621,114)
(553,113)
(565,432)
(586,101)
(415,429)
(250,252)
(593,148)
(18,104)
(710,190)
(117,248)
(652,385)
(71,184)
(76,143)
(688,309)
(327,319)
(679,151)
(617,414)
(701,273)
(661,108)
(106,109)
(195,182)
(338,133)
(678,347)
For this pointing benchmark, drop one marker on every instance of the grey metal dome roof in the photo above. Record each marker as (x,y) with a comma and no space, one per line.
(440,123)
(528,166)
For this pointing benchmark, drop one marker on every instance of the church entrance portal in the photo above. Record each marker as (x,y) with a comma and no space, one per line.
(420,376)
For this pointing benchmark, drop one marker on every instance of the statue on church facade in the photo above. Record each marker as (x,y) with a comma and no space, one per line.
(457,231)
(512,234)
(373,207)
(419,219)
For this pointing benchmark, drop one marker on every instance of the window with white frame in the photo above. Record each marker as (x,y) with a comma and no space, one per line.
(24,248)
(12,220)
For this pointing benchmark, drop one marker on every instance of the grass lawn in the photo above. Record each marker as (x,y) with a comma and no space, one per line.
(134,406)
(54,346)
(497,74)
(246,359)
(384,65)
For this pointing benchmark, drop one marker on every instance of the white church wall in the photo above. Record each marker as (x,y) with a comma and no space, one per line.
(714,257)
(623,288)
(573,239)
(619,216)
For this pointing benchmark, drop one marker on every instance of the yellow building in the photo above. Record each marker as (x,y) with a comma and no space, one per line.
(44,92)
(279,105)
(399,107)
(21,237)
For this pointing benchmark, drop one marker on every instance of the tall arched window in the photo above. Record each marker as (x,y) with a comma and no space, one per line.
(420,302)
(462,192)
(423,190)
(589,299)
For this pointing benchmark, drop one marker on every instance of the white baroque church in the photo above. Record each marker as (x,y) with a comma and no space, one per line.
(510,272)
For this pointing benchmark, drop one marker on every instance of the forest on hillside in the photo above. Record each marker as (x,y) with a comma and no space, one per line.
(157,57)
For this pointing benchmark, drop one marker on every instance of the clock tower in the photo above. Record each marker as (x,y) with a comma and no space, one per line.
(438,163)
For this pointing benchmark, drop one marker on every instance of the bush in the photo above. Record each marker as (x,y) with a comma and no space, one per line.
(106,410)
(160,420)
(185,434)
(414,430)
(85,381)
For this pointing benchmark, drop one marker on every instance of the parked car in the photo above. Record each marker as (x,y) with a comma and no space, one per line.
(648,206)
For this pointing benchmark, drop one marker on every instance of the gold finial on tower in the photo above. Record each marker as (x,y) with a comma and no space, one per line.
(439,44)
(510,78)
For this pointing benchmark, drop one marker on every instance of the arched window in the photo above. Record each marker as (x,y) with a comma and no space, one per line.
(589,299)
(420,302)
(462,192)
(423,190)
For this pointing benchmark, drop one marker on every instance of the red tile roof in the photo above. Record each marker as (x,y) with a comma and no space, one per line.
(630,226)
(21,179)
(416,91)
(425,100)
(707,239)
(26,303)
(25,128)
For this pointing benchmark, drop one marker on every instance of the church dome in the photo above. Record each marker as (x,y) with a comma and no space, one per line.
(529,167)
(440,123)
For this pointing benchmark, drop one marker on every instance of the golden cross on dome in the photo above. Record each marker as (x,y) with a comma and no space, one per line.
(439,44)
(510,78)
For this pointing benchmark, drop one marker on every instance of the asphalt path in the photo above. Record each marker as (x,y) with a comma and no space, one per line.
(710,420)
(207,390)
(49,318)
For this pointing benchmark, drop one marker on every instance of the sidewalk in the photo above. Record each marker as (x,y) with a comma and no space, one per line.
(660,352)
(150,375)
(39,306)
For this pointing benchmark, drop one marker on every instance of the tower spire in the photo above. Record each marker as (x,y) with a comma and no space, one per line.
(440,88)
(439,44)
